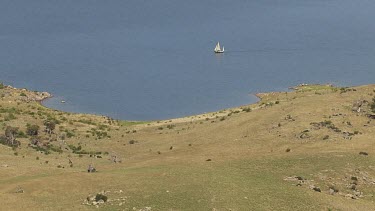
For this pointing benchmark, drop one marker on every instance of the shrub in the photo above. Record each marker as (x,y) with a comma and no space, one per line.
(32,130)
(372,105)
(21,134)
(326,137)
(132,142)
(171,126)
(2,86)
(246,109)
(99,197)
(9,117)
(334,188)
(22,94)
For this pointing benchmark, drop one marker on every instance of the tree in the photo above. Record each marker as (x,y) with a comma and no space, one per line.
(32,130)
(10,136)
(50,126)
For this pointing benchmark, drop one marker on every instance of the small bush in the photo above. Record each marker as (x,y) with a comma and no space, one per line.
(32,130)
(22,94)
(171,126)
(334,188)
(363,153)
(99,197)
(246,109)
(287,150)
(372,105)
(326,137)
(132,142)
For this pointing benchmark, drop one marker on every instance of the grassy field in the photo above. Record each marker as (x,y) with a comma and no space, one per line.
(297,150)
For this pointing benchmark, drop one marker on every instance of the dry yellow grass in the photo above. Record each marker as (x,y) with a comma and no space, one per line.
(247,150)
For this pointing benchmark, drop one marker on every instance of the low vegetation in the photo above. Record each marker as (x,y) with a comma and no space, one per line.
(303,150)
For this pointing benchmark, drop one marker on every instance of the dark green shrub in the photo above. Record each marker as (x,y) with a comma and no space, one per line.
(32,130)
(246,109)
(372,105)
(21,134)
(99,197)
(132,142)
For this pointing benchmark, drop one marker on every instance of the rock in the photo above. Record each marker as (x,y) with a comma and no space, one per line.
(351,196)
(5,166)
(19,190)
(358,193)
(331,191)
(101,201)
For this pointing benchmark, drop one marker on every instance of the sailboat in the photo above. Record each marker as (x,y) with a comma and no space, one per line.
(218,49)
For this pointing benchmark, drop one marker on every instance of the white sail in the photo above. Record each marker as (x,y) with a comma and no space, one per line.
(218,48)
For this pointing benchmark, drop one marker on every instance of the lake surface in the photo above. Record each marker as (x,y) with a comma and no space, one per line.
(142,60)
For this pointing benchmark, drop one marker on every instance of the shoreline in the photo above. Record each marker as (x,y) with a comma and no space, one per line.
(41,96)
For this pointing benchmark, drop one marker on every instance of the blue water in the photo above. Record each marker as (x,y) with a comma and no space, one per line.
(142,60)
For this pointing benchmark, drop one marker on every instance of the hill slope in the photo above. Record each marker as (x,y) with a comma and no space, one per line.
(291,151)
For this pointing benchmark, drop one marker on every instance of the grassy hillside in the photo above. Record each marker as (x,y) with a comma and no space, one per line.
(309,149)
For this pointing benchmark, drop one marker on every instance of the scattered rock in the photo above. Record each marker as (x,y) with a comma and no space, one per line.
(351,196)
(358,193)
(19,190)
